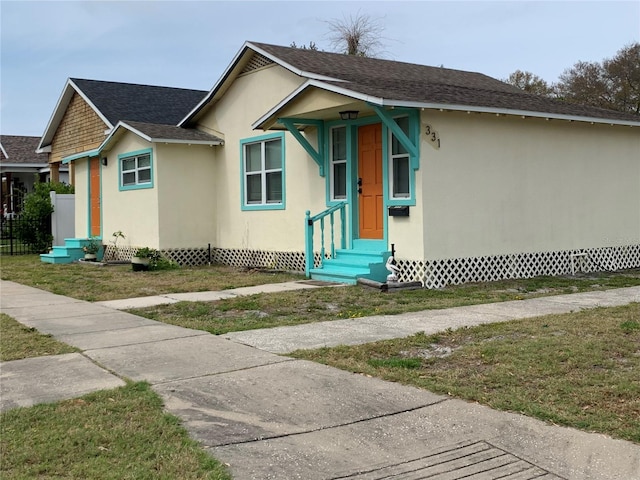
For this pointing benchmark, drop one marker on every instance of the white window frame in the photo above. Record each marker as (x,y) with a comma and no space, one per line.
(334,162)
(136,156)
(264,203)
(392,158)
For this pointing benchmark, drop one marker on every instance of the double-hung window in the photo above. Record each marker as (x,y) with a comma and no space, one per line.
(136,170)
(263,172)
(338,163)
(400,167)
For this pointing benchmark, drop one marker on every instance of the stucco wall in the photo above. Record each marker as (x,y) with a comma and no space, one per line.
(134,212)
(187,203)
(503,185)
(406,232)
(277,230)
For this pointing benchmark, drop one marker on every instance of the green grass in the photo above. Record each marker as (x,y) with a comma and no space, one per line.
(579,370)
(95,283)
(111,434)
(18,341)
(332,303)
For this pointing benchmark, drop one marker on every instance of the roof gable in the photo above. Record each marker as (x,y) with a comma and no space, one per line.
(116,101)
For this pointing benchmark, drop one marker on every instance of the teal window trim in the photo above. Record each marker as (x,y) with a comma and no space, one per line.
(244,206)
(414,133)
(352,157)
(316,155)
(136,154)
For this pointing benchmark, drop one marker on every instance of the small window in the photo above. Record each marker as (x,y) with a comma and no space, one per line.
(136,170)
(263,172)
(400,169)
(338,163)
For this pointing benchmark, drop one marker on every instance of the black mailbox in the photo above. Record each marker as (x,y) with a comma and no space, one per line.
(399,211)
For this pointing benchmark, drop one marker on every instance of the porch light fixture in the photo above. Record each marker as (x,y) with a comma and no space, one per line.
(349,114)
(104,161)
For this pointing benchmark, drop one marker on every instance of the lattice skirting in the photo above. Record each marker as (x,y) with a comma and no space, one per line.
(439,273)
(431,273)
(284,261)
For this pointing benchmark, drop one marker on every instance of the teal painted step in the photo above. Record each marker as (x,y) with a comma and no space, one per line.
(349,265)
(70,252)
(51,258)
(369,245)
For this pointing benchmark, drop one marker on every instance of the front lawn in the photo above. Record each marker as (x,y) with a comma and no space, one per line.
(94,283)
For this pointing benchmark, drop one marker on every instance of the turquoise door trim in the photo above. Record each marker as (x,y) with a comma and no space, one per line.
(89,196)
(410,142)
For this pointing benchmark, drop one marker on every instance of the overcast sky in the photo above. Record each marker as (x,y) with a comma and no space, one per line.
(189,44)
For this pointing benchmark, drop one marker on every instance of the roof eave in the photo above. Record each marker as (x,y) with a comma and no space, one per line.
(187,142)
(6,165)
(123,125)
(88,153)
(513,112)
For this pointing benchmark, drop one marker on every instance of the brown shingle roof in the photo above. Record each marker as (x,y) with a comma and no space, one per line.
(21,149)
(170,132)
(420,84)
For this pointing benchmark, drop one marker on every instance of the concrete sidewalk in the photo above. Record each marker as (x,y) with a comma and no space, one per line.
(213,295)
(272,417)
(383,327)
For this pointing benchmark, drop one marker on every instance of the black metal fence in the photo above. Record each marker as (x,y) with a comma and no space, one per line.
(19,236)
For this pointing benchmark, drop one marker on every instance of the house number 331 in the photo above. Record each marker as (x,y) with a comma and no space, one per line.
(432,136)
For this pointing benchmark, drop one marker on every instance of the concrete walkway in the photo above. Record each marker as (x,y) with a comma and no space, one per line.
(272,417)
(212,296)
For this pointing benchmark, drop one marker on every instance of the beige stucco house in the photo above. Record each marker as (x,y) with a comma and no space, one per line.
(319,162)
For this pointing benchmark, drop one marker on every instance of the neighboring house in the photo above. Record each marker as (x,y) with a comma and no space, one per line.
(21,167)
(468,178)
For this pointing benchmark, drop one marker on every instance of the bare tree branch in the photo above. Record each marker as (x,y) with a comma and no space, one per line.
(358,34)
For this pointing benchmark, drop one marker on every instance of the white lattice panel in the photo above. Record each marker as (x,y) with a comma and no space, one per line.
(453,271)
(285,261)
(120,254)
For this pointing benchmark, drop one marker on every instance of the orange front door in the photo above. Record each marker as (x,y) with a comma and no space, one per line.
(94,196)
(370,173)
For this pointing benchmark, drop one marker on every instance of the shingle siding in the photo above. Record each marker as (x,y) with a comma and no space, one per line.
(81,129)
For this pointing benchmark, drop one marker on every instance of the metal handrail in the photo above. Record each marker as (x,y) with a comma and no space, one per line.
(309,233)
